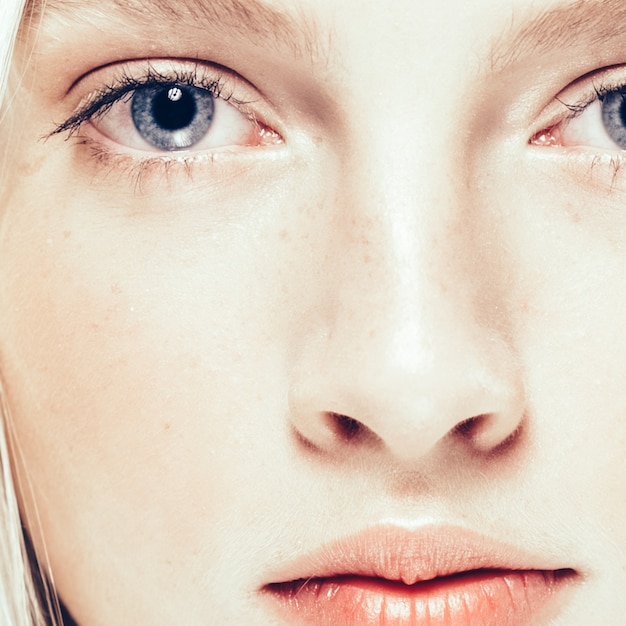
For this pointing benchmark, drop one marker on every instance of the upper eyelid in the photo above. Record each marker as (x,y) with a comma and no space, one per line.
(151,65)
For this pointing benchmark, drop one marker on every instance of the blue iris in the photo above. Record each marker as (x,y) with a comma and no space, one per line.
(614,116)
(172,117)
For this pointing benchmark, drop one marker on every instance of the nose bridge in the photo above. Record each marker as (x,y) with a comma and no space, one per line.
(410,253)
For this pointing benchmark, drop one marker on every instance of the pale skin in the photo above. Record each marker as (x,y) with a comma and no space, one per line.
(175,339)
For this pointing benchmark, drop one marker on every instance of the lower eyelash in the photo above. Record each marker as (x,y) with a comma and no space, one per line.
(141,171)
(146,172)
(614,163)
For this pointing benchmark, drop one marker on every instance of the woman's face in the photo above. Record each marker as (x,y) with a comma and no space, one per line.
(321,292)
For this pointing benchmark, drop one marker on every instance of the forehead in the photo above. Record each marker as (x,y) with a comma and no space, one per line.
(511,26)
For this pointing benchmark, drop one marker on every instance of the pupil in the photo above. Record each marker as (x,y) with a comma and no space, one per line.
(173,108)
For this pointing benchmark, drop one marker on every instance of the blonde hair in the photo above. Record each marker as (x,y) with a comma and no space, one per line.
(10,16)
(19,601)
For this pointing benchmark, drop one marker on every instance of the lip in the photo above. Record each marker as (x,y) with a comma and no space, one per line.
(435,576)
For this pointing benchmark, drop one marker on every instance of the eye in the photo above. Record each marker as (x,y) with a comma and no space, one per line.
(598,123)
(166,109)
(175,117)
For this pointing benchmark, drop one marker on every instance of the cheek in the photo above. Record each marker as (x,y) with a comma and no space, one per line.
(570,331)
(145,368)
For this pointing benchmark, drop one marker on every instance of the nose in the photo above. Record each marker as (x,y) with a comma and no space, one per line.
(410,346)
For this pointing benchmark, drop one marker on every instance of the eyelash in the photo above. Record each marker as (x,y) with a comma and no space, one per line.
(600,88)
(100,101)
(600,91)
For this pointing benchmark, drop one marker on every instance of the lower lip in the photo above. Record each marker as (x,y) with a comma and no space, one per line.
(480,598)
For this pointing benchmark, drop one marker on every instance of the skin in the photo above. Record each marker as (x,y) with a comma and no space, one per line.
(173,341)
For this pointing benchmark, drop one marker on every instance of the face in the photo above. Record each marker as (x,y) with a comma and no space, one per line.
(303,303)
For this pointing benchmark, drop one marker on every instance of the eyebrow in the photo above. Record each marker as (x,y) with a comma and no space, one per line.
(250,18)
(590,21)
(562,26)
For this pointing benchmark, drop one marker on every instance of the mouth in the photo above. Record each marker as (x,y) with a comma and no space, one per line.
(439,577)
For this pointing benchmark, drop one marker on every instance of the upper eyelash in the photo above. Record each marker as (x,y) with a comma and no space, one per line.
(600,90)
(100,101)
(600,87)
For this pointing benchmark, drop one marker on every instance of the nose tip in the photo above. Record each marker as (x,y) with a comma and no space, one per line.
(405,409)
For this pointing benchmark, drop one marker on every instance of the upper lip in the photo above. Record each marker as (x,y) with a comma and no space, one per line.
(410,556)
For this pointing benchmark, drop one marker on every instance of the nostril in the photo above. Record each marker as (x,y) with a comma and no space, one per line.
(480,431)
(346,428)
(468,427)
(328,432)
